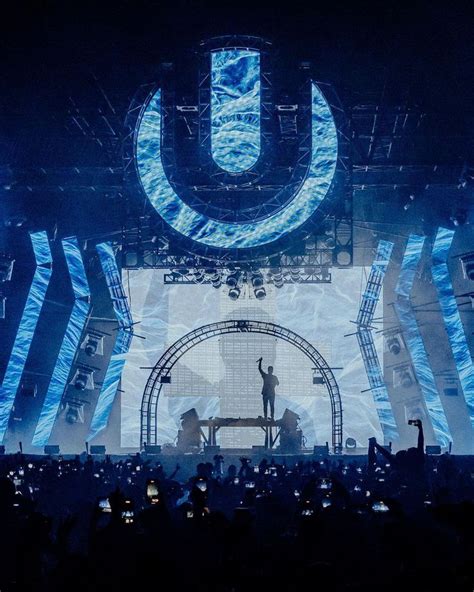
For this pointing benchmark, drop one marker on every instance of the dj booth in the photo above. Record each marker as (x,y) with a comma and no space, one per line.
(195,431)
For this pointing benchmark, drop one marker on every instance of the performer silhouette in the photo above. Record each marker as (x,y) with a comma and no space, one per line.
(270,381)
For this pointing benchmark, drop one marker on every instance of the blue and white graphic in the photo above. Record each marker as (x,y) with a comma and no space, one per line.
(27,327)
(219,377)
(214,233)
(370,298)
(414,340)
(122,344)
(70,342)
(452,319)
(235,108)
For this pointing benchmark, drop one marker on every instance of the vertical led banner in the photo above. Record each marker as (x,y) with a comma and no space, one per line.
(122,345)
(452,319)
(27,327)
(70,342)
(414,340)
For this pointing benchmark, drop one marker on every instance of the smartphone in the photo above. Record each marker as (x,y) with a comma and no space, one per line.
(380,507)
(325,484)
(152,488)
(326,503)
(128,516)
(236,480)
(250,485)
(104,505)
(152,492)
(189,514)
(202,485)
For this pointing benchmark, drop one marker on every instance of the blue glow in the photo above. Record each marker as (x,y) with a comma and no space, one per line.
(69,345)
(370,297)
(26,328)
(122,345)
(452,319)
(414,340)
(215,233)
(235,108)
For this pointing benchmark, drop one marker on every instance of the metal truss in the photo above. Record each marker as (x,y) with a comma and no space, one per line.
(162,369)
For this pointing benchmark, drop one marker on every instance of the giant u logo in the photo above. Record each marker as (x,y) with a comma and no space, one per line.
(235,147)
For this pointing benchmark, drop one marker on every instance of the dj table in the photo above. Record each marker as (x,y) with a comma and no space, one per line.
(271,427)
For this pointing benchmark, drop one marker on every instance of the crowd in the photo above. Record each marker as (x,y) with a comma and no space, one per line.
(395,520)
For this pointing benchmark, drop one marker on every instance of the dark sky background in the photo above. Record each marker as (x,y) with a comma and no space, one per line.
(425,41)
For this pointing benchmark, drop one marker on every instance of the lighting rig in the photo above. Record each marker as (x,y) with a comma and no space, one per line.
(303,255)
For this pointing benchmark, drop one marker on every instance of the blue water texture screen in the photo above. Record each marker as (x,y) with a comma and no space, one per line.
(235,108)
(226,235)
(452,319)
(122,344)
(414,341)
(27,327)
(69,344)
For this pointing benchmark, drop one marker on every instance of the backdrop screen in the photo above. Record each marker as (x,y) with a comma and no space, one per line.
(219,377)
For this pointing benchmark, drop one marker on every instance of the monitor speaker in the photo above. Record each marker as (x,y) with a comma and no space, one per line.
(97,449)
(51,449)
(321,450)
(152,449)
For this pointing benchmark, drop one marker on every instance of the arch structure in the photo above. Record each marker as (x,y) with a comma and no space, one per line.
(162,369)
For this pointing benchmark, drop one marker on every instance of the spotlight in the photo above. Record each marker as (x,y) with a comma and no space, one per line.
(233,279)
(72,415)
(277,277)
(83,379)
(74,412)
(214,277)
(406,380)
(93,344)
(199,276)
(394,345)
(351,443)
(257,285)
(343,257)
(295,275)
(234,293)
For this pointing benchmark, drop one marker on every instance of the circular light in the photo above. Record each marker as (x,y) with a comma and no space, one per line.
(343,258)
(234,293)
(350,443)
(227,235)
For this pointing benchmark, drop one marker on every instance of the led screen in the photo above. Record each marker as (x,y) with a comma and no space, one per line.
(219,377)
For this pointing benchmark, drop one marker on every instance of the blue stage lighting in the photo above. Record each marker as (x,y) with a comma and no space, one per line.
(235,108)
(234,235)
(414,339)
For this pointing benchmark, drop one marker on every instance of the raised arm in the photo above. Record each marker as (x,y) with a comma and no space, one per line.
(260,367)
(384,452)
(421,438)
